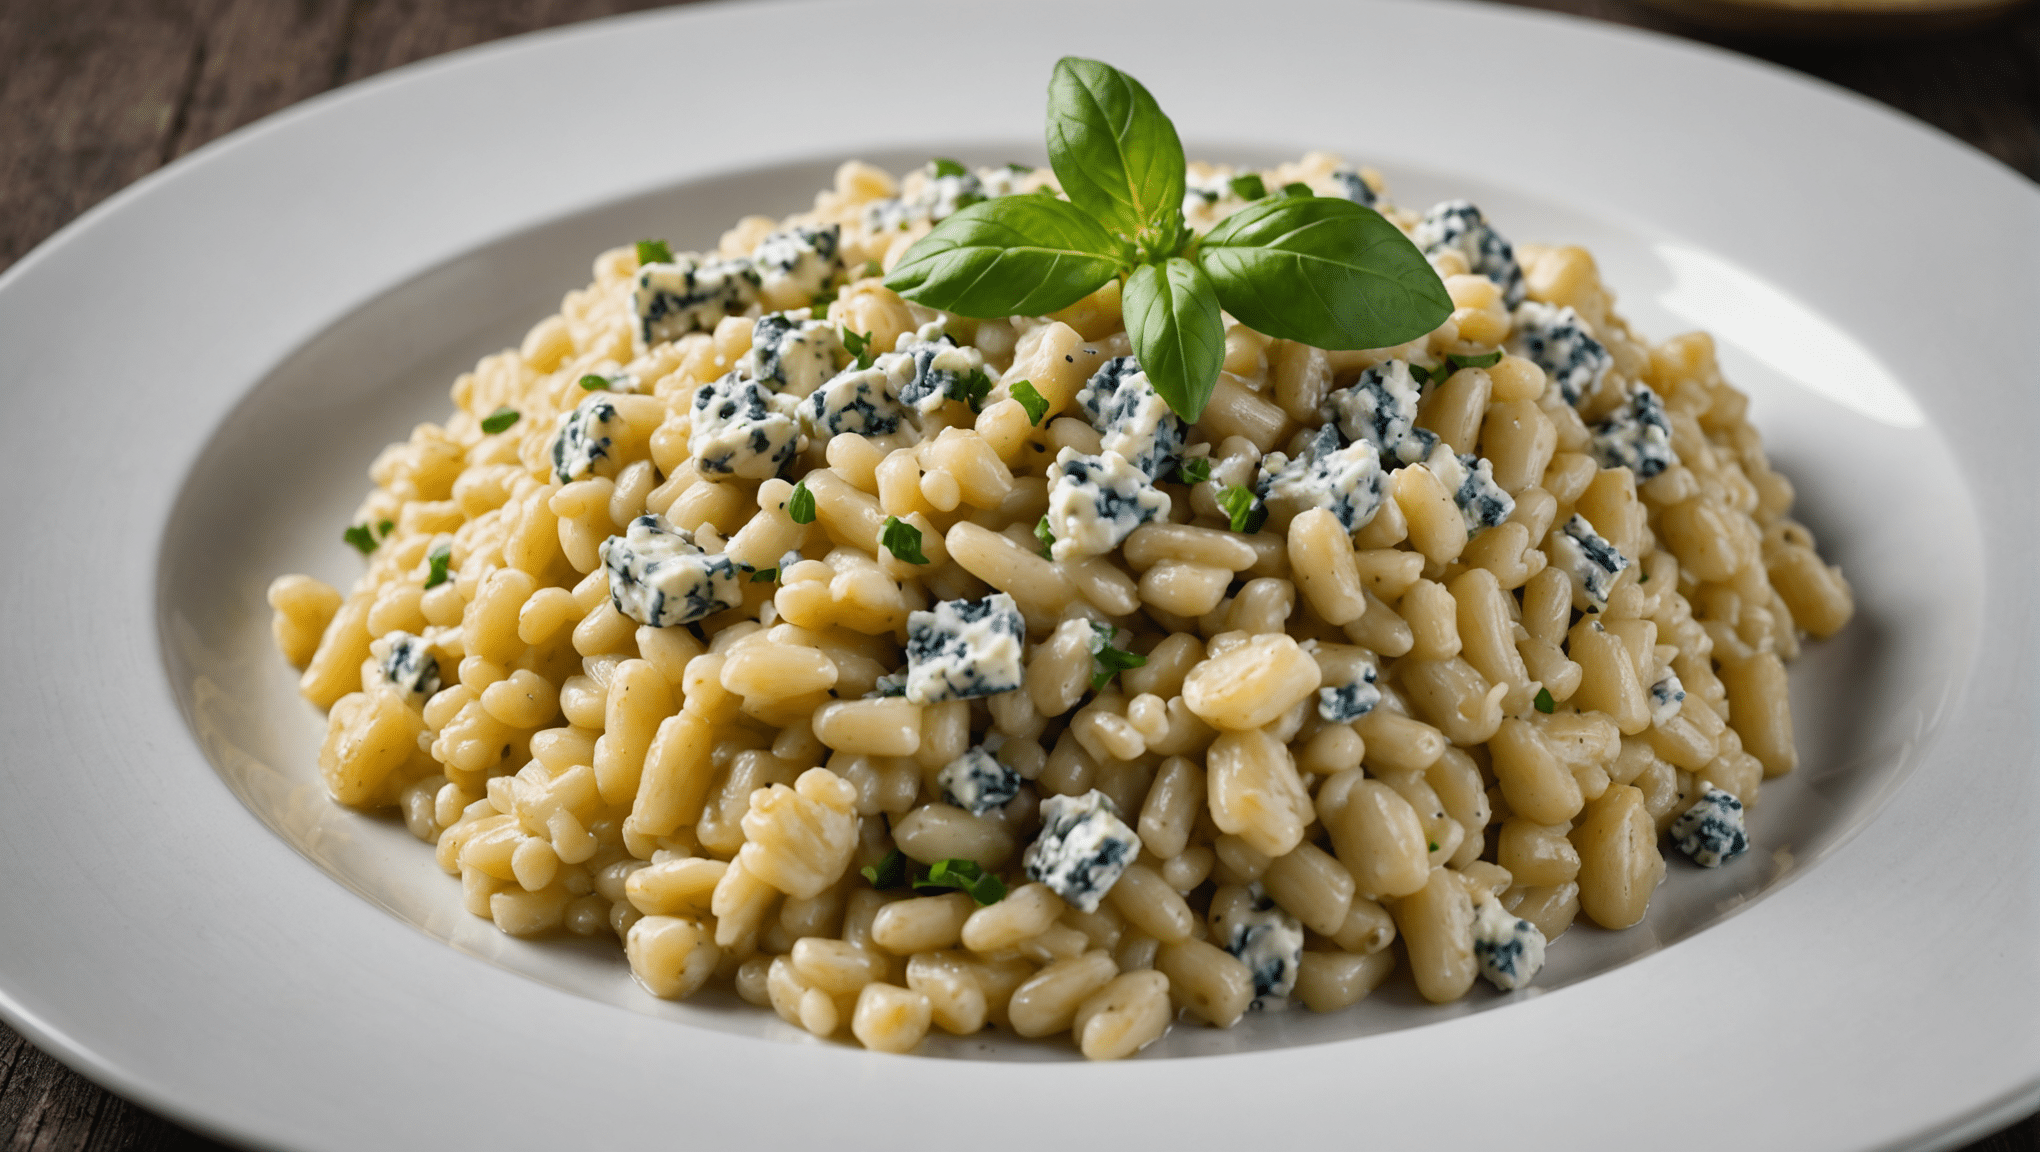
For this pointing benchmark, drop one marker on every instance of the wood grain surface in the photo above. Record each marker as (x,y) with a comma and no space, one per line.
(99,93)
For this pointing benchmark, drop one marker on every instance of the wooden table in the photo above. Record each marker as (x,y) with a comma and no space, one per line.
(99,93)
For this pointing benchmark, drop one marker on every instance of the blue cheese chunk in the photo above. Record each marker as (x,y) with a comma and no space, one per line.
(1711,831)
(660,578)
(1268,940)
(793,356)
(407,664)
(1347,480)
(964,648)
(933,195)
(977,783)
(1592,562)
(1350,184)
(1381,408)
(583,436)
(1131,416)
(927,369)
(856,400)
(1471,480)
(1341,703)
(1509,951)
(798,262)
(1667,698)
(740,429)
(1636,436)
(890,684)
(1083,848)
(1094,502)
(1561,344)
(1204,192)
(1458,225)
(690,295)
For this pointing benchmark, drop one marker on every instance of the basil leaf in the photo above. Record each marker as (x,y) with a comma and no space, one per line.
(858,344)
(1111,662)
(971,389)
(965,875)
(944,166)
(1323,271)
(1297,189)
(1544,703)
(1172,316)
(1046,535)
(1246,510)
(764,575)
(1031,399)
(1249,187)
(364,541)
(385,527)
(1195,470)
(1487,361)
(1013,256)
(594,383)
(438,559)
(653,252)
(902,539)
(890,872)
(1115,154)
(500,420)
(800,507)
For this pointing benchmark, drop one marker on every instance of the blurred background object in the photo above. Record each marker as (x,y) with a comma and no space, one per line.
(97,94)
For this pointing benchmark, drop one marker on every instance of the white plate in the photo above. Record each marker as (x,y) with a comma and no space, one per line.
(201,367)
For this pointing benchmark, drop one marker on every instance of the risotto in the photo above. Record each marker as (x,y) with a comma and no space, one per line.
(909,671)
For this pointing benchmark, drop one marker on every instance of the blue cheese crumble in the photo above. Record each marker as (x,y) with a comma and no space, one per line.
(1083,848)
(688,295)
(1094,502)
(1457,225)
(890,684)
(1711,831)
(1591,561)
(1667,698)
(1561,344)
(793,356)
(937,196)
(1131,416)
(964,648)
(1509,951)
(857,400)
(1349,184)
(660,578)
(407,664)
(1636,436)
(927,368)
(1471,480)
(1348,481)
(798,261)
(1381,408)
(1268,940)
(1341,703)
(740,429)
(582,437)
(977,783)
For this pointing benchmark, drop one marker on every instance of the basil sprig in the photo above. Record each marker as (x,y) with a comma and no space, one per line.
(1319,270)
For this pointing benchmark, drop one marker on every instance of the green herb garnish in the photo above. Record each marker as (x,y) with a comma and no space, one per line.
(858,344)
(594,383)
(1111,662)
(1247,512)
(947,167)
(902,539)
(818,308)
(1030,399)
(499,420)
(890,872)
(1319,270)
(1195,470)
(1297,188)
(363,538)
(1544,703)
(971,389)
(1487,361)
(1249,187)
(1434,845)
(764,575)
(438,559)
(1046,535)
(653,252)
(800,507)
(964,875)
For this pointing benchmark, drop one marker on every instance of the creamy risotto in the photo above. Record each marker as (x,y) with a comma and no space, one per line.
(907,671)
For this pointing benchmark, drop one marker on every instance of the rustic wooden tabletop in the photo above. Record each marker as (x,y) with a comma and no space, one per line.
(99,93)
